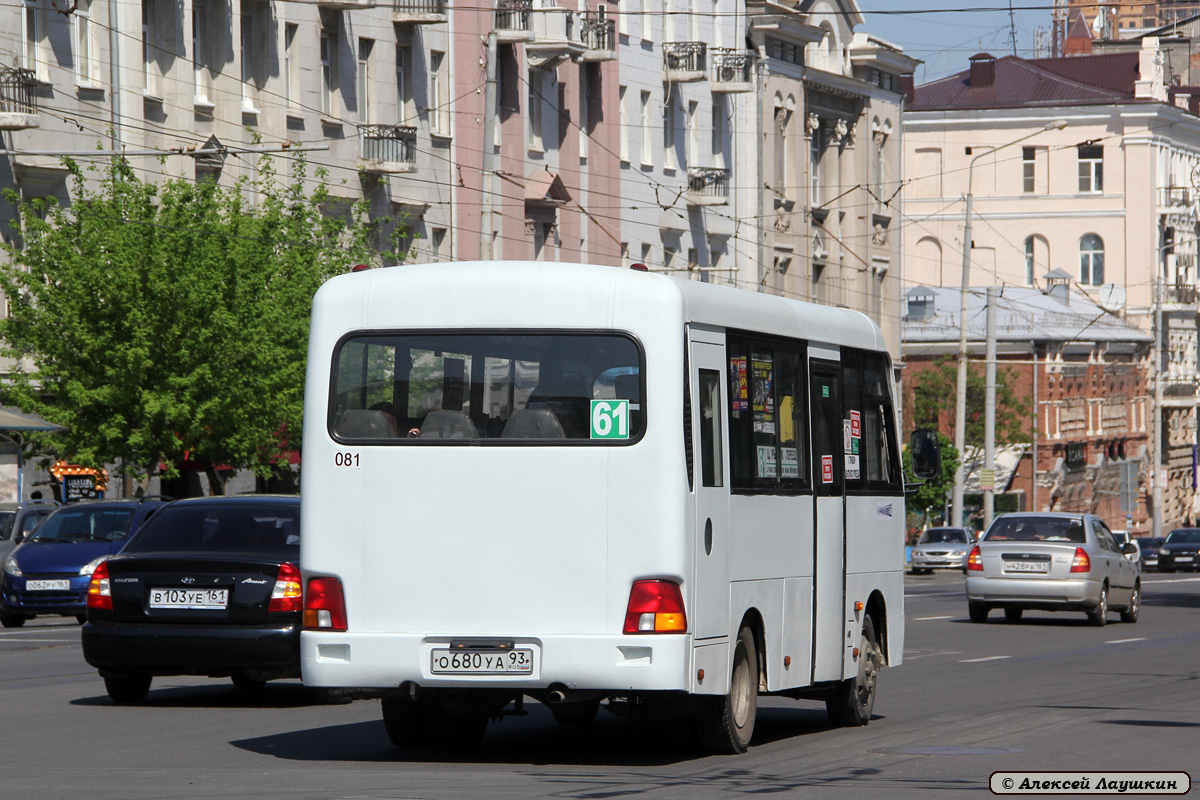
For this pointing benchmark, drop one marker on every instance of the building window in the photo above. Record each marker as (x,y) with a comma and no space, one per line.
(1091,260)
(624,122)
(691,155)
(783,119)
(1091,169)
(404,83)
(31,38)
(149,54)
(200,54)
(249,90)
(537,81)
(669,124)
(584,116)
(1028,170)
(85,50)
(1029,250)
(718,133)
(328,70)
(646,250)
(437,93)
(647,127)
(879,167)
(437,243)
(816,149)
(291,81)
(366,80)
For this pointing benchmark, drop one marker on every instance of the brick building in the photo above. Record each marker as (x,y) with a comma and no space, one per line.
(1085,373)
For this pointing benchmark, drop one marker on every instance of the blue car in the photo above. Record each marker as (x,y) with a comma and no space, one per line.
(48,573)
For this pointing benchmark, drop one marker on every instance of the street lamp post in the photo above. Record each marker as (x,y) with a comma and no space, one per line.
(960,397)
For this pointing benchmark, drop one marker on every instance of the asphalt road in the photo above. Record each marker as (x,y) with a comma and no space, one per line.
(1047,693)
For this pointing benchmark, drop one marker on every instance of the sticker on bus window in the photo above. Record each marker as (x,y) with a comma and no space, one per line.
(846,439)
(789,462)
(826,469)
(852,470)
(740,391)
(766,462)
(855,424)
(610,419)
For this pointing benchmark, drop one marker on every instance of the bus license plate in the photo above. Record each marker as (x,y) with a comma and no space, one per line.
(1026,566)
(188,598)
(481,662)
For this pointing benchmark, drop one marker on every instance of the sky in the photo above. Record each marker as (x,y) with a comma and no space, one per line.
(944,38)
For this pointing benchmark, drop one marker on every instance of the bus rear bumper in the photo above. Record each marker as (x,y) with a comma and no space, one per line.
(611,663)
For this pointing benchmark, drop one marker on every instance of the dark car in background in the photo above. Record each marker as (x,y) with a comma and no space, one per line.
(17,521)
(1180,550)
(1150,546)
(210,587)
(48,573)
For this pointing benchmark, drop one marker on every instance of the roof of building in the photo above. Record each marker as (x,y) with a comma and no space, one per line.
(1023,314)
(1020,82)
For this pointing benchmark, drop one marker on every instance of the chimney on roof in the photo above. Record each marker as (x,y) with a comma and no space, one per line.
(908,89)
(983,71)
(1058,286)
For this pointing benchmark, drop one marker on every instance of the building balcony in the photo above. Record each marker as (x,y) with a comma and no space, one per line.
(340,5)
(18,111)
(555,36)
(684,61)
(708,186)
(418,12)
(388,148)
(512,20)
(599,34)
(731,69)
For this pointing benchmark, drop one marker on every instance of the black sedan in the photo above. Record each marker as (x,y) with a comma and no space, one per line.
(1181,550)
(1150,545)
(208,587)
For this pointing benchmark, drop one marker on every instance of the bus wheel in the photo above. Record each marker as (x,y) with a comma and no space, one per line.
(453,728)
(405,723)
(853,700)
(726,725)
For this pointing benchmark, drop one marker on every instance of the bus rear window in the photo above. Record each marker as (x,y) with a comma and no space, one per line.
(508,388)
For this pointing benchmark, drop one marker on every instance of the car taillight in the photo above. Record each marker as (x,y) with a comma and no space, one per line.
(975,560)
(288,594)
(324,605)
(655,607)
(1081,562)
(99,590)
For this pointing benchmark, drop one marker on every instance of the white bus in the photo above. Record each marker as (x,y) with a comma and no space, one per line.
(595,486)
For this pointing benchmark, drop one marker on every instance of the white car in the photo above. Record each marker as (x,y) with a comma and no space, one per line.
(1122,538)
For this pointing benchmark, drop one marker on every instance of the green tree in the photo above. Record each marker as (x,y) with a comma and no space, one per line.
(935,389)
(932,493)
(158,320)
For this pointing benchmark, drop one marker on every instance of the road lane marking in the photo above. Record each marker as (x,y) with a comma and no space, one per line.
(977,660)
(1123,641)
(959,593)
(1164,580)
(42,641)
(924,619)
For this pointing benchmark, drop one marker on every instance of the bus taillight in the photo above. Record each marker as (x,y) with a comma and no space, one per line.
(324,605)
(655,607)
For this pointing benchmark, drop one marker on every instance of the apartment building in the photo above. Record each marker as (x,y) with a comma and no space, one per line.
(1110,200)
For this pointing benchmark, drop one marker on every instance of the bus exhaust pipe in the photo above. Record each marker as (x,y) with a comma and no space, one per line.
(556,696)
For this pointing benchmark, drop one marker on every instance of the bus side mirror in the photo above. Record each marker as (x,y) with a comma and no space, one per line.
(926,454)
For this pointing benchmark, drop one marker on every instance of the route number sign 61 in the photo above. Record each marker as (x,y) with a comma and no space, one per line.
(610,419)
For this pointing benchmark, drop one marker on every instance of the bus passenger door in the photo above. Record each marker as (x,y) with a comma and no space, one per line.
(709,615)
(829,540)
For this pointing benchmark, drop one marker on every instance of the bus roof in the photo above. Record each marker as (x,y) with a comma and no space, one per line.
(500,294)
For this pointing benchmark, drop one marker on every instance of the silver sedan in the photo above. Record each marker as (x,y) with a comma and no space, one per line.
(942,548)
(1052,562)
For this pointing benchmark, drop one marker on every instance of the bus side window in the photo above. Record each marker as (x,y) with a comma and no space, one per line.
(868,392)
(710,429)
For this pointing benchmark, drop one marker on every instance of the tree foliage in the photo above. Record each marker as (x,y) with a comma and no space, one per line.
(935,390)
(155,321)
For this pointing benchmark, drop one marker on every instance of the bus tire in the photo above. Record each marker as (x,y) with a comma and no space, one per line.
(125,689)
(404,721)
(726,725)
(454,729)
(854,699)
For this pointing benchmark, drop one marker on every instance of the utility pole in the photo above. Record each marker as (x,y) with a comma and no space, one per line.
(988,475)
(488,178)
(1157,454)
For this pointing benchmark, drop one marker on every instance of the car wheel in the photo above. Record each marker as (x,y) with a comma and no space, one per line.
(576,714)
(853,701)
(726,725)
(1013,614)
(127,688)
(405,723)
(1130,614)
(1099,616)
(247,684)
(978,612)
(12,620)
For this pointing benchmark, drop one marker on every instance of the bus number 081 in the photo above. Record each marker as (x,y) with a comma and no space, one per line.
(341,459)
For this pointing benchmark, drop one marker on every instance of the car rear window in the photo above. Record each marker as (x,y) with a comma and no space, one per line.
(1037,529)
(84,525)
(221,527)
